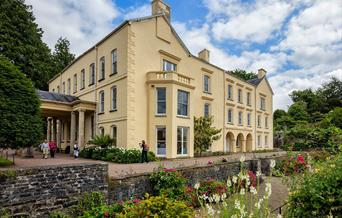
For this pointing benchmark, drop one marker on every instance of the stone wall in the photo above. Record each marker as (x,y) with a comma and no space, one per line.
(35,192)
(137,185)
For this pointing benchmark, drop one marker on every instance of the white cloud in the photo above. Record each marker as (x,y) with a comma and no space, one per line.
(82,22)
(137,12)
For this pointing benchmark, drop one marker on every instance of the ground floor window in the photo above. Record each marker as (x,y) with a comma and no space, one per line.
(266,141)
(114,135)
(182,140)
(101,131)
(161,141)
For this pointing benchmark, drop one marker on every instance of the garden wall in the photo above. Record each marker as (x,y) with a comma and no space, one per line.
(34,192)
(137,185)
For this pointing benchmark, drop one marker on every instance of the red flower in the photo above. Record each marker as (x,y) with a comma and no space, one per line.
(300,158)
(252,178)
(170,170)
(106,214)
(136,201)
(210,162)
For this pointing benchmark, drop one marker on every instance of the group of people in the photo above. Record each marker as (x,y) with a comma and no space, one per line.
(51,147)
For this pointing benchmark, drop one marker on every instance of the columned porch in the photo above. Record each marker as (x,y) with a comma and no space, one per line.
(69,119)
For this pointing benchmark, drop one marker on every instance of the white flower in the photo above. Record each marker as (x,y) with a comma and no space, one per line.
(211,211)
(258,204)
(248,182)
(253,190)
(234,179)
(234,216)
(268,189)
(242,191)
(210,199)
(224,204)
(279,216)
(242,159)
(237,204)
(197,185)
(216,198)
(258,173)
(223,196)
(273,163)
(229,183)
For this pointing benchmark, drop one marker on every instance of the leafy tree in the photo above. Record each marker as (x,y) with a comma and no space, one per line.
(334,117)
(62,56)
(298,111)
(279,113)
(21,124)
(21,43)
(244,74)
(331,92)
(205,134)
(313,101)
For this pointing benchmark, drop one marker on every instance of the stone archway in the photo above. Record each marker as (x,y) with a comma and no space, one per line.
(240,143)
(249,141)
(230,142)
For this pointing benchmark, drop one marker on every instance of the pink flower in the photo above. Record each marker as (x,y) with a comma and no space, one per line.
(300,158)
(210,162)
(136,201)
(170,170)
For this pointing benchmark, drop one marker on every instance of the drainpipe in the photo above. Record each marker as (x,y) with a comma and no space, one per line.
(96,116)
(224,112)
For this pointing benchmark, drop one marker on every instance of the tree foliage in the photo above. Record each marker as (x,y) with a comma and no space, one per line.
(102,140)
(244,74)
(205,134)
(21,43)
(21,124)
(62,56)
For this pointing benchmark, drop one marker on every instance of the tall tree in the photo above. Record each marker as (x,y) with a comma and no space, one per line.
(331,92)
(62,56)
(244,74)
(205,134)
(21,124)
(21,42)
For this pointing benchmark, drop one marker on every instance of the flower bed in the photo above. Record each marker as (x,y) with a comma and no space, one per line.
(116,155)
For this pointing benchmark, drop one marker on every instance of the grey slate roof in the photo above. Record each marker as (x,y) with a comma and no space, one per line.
(51,96)
(255,81)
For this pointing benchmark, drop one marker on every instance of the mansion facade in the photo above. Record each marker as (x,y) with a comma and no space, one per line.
(141,82)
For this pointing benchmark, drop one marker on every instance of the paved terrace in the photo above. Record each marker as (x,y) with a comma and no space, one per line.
(124,170)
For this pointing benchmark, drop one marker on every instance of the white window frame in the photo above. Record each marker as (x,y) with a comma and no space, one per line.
(240,118)
(160,101)
(249,119)
(249,103)
(259,141)
(167,63)
(206,83)
(182,141)
(240,96)
(114,56)
(75,82)
(232,116)
(157,128)
(114,98)
(101,101)
(115,136)
(82,79)
(266,141)
(181,103)
(101,131)
(91,74)
(230,92)
(69,86)
(259,120)
(206,109)
(102,68)
(262,103)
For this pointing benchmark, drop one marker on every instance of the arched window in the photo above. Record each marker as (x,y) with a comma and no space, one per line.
(114,135)
(101,131)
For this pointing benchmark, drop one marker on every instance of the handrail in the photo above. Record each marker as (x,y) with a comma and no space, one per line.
(280,207)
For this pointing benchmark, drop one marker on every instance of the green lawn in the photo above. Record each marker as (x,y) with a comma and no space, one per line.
(4,162)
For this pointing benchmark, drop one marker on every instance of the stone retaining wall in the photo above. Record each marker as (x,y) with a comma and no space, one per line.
(35,192)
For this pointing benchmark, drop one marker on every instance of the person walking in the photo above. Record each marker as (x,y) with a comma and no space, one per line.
(53,148)
(76,151)
(45,148)
(144,151)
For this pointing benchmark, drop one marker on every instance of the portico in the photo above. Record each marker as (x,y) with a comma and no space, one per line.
(69,119)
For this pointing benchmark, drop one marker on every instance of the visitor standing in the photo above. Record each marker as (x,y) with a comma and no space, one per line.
(45,148)
(144,151)
(53,148)
(76,150)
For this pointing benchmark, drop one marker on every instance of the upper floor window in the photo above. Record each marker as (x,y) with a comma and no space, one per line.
(249,119)
(63,87)
(248,98)
(82,79)
(240,117)
(262,103)
(92,74)
(183,103)
(69,87)
(240,96)
(169,66)
(266,122)
(230,116)
(114,98)
(114,61)
(75,83)
(259,140)
(230,92)
(102,69)
(101,99)
(259,120)
(58,90)
(161,101)
(266,141)
(206,110)
(114,135)
(206,83)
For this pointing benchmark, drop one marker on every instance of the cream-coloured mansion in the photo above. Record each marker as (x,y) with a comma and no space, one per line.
(141,82)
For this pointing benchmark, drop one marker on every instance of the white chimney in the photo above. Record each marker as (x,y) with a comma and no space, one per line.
(261,73)
(204,55)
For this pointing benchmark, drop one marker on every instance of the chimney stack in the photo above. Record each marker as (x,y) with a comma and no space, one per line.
(261,73)
(159,7)
(204,55)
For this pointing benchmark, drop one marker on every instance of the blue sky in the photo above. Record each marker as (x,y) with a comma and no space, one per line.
(299,42)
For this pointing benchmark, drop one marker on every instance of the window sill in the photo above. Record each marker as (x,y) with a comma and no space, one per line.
(74,92)
(230,123)
(100,113)
(101,79)
(208,93)
(82,88)
(249,105)
(91,84)
(240,102)
(240,125)
(160,115)
(183,117)
(113,110)
(230,99)
(113,74)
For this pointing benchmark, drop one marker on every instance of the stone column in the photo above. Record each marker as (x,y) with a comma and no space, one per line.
(65,133)
(81,128)
(234,145)
(243,146)
(48,132)
(72,131)
(58,128)
(53,129)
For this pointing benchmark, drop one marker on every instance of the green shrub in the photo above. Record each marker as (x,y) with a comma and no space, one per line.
(158,206)
(58,214)
(4,162)
(103,141)
(320,193)
(168,182)
(89,201)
